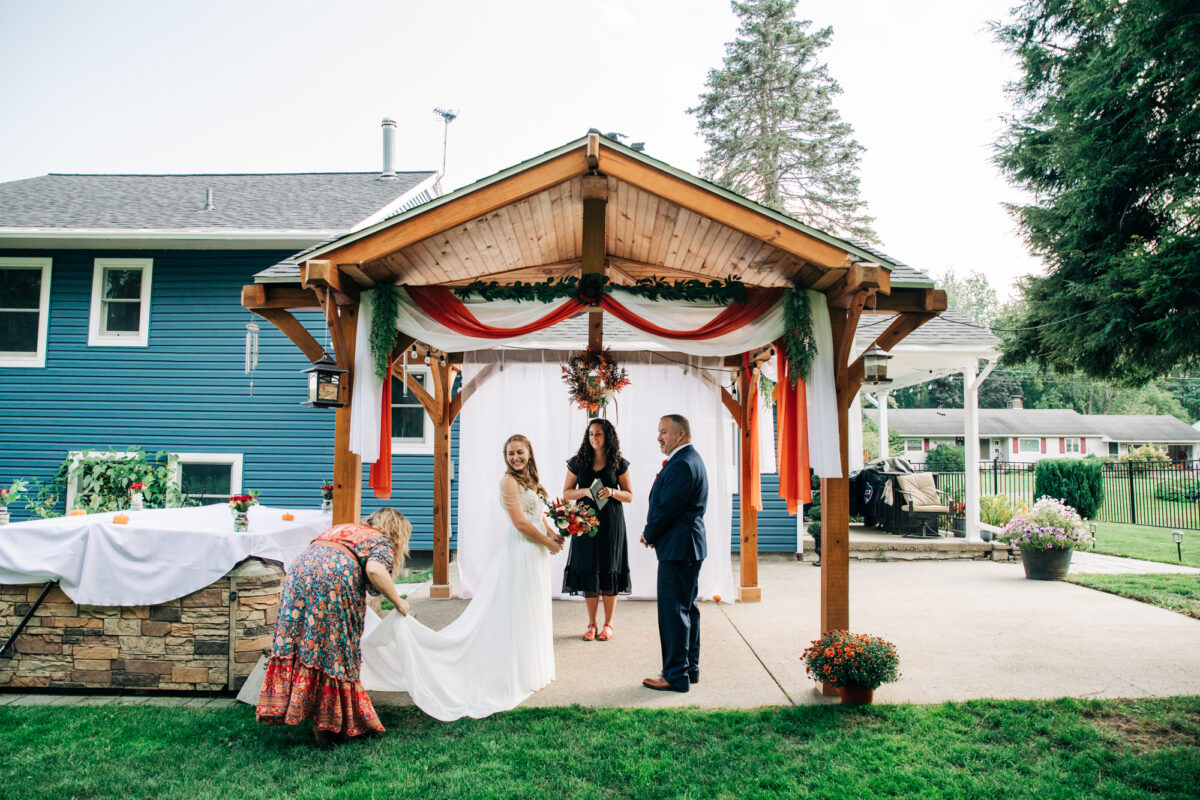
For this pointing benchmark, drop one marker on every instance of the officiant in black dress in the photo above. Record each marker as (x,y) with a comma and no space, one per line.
(598,566)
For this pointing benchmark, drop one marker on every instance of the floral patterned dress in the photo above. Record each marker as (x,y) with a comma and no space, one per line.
(316,655)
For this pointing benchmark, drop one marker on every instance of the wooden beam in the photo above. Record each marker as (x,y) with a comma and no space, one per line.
(835,542)
(901,326)
(541,272)
(593,151)
(270,295)
(733,407)
(360,277)
(324,275)
(902,300)
(846,321)
(748,589)
(347,466)
(595,202)
(342,344)
(297,333)
(858,277)
(720,209)
(443,381)
(423,396)
(456,212)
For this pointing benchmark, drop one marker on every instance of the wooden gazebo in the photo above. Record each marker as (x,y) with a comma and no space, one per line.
(591,207)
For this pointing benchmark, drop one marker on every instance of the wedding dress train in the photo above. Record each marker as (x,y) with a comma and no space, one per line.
(498,652)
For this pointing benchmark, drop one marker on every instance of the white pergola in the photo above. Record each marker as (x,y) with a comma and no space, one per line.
(941,347)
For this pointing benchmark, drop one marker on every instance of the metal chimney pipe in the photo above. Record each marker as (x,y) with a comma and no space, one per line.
(389,149)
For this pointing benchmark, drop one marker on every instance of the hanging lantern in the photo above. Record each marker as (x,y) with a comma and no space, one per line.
(324,384)
(875,366)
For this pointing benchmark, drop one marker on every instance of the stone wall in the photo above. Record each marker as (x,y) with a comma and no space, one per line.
(181,645)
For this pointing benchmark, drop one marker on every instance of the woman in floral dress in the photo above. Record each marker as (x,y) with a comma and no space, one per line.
(313,672)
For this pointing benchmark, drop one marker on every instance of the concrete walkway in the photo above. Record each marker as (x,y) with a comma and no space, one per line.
(1083,561)
(964,630)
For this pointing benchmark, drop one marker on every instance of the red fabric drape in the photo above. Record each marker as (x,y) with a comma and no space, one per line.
(735,316)
(446,309)
(380,477)
(792,451)
(754,490)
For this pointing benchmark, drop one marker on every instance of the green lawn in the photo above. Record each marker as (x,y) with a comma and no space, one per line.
(981,749)
(1152,544)
(1173,592)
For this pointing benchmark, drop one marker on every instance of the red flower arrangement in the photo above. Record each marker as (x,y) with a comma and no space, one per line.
(327,491)
(592,378)
(574,519)
(242,502)
(136,487)
(849,659)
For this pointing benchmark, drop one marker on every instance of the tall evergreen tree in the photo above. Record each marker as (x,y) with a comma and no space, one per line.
(772,131)
(1106,137)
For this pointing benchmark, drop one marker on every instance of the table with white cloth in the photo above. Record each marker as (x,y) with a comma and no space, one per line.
(158,555)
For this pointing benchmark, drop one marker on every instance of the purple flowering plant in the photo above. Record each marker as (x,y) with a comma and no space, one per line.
(1050,525)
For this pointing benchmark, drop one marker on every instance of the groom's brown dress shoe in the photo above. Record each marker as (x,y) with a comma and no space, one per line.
(663,686)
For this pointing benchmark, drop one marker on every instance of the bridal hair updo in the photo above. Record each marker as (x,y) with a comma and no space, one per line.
(396,527)
(585,457)
(529,477)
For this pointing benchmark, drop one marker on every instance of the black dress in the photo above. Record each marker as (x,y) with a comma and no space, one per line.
(599,565)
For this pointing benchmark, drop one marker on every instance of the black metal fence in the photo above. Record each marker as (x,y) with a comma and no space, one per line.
(1156,495)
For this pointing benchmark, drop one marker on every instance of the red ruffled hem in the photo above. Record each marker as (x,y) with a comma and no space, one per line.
(293,692)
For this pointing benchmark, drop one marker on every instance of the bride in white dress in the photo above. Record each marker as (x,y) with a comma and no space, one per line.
(500,649)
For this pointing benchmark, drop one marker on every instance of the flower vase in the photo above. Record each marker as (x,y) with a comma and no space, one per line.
(241,522)
(1046,565)
(326,504)
(857,695)
(136,501)
(3,515)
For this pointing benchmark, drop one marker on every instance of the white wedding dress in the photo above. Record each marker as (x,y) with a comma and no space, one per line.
(495,654)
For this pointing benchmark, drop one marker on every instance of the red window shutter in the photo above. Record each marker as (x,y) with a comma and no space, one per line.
(1043,444)
(1062,444)
(926,445)
(1082,446)
(1015,451)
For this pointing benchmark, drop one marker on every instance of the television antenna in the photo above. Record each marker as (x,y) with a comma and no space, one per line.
(448,115)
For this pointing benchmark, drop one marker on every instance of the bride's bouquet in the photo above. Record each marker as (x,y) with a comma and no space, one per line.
(573,518)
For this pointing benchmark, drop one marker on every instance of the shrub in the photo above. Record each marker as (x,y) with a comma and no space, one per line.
(1049,525)
(104,482)
(848,659)
(996,509)
(946,458)
(1146,456)
(1178,489)
(1077,482)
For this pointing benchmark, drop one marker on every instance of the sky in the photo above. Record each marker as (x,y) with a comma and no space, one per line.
(145,86)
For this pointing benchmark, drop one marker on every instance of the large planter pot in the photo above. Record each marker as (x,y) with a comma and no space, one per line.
(857,695)
(1046,565)
(959,526)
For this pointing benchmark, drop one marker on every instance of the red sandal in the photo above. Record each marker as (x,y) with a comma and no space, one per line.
(606,633)
(591,632)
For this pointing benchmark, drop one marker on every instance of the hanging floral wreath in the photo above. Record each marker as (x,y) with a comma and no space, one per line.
(592,378)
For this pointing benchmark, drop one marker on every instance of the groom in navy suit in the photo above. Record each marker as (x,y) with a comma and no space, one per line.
(675,529)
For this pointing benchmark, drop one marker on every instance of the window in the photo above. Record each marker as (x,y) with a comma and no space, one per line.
(73,477)
(914,446)
(24,311)
(412,429)
(120,313)
(1071,445)
(1029,445)
(1114,449)
(208,477)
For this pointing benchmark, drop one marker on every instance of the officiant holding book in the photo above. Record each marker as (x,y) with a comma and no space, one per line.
(598,566)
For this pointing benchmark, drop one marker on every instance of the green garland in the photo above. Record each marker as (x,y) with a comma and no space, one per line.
(589,288)
(383,328)
(799,343)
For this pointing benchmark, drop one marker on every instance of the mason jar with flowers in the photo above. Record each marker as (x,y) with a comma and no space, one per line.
(240,504)
(854,663)
(8,496)
(1046,535)
(136,498)
(327,496)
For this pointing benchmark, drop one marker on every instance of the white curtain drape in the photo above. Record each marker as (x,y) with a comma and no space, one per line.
(824,449)
(525,395)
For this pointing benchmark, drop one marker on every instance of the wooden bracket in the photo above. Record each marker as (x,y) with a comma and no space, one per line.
(593,151)
(325,275)
(263,295)
(291,328)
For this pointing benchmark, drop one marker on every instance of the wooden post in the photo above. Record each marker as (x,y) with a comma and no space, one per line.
(595,201)
(835,501)
(748,589)
(347,466)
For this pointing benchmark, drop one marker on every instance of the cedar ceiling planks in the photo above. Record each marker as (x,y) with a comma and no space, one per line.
(543,235)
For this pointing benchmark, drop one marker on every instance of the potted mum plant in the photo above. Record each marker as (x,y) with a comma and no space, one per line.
(1046,534)
(856,663)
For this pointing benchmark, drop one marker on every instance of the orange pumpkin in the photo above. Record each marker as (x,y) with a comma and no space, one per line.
(287,517)
(121,519)
(77,512)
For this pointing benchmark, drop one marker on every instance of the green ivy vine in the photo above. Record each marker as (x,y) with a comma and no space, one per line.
(383,328)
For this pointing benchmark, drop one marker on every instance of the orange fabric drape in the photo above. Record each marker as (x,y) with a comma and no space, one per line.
(735,316)
(795,485)
(380,478)
(446,309)
(754,490)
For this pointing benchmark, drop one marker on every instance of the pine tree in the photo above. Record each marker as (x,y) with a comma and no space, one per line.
(771,129)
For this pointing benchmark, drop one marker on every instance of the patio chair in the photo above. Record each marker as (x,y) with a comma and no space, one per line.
(923,503)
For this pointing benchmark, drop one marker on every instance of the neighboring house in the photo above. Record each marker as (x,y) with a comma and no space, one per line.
(1031,434)
(121,325)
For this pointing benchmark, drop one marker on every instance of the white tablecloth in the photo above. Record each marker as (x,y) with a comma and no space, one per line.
(160,554)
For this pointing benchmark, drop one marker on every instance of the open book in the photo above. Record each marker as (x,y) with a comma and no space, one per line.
(595,489)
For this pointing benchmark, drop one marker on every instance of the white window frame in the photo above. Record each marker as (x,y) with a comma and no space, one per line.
(1069,442)
(919,449)
(425,446)
(37,358)
(232,460)
(97,337)
(1037,444)
(73,477)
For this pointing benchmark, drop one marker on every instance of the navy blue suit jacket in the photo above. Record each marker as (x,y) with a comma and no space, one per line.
(675,521)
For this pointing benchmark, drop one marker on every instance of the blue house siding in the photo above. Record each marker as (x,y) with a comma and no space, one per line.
(776,530)
(184,392)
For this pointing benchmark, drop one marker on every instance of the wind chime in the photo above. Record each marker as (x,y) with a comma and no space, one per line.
(251,352)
